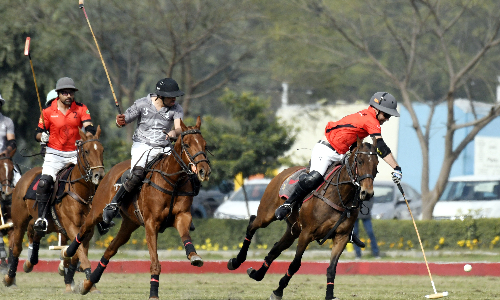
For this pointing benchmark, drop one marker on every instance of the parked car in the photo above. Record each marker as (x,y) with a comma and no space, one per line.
(390,204)
(234,207)
(207,200)
(474,196)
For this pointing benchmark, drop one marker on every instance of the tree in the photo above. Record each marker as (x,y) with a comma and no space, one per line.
(250,142)
(423,49)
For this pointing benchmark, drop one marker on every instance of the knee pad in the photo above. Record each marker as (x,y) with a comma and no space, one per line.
(45,184)
(310,180)
(137,175)
(138,172)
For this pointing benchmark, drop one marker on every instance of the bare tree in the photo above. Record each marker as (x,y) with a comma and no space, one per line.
(425,49)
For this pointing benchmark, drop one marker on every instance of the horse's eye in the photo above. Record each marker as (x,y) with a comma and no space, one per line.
(186,145)
(87,152)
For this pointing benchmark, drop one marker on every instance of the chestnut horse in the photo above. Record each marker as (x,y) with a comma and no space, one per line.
(75,203)
(329,213)
(164,200)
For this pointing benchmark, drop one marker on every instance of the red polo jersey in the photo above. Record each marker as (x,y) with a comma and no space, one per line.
(63,128)
(343,133)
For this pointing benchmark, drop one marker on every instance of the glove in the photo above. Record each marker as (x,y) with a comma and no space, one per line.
(45,137)
(120,120)
(397,175)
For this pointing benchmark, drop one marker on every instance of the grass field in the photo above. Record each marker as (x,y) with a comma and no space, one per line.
(240,287)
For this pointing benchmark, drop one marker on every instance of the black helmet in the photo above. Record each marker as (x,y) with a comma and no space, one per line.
(168,87)
(385,102)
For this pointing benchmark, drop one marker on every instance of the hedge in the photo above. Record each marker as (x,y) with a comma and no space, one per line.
(216,235)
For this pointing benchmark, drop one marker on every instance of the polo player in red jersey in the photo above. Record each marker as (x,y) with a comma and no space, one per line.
(59,129)
(339,137)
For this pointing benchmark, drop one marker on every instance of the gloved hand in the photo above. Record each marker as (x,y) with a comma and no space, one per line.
(45,137)
(120,120)
(397,175)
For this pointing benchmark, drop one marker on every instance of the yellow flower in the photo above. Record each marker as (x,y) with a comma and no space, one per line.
(225,248)
(461,243)
(240,245)
(134,241)
(436,247)
(179,248)
(441,241)
(207,241)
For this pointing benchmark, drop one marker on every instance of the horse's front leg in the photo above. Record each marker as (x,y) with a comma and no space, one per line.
(152,227)
(182,223)
(292,232)
(123,235)
(304,239)
(339,243)
(15,248)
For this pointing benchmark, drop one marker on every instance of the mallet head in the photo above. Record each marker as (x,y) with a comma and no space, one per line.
(27,46)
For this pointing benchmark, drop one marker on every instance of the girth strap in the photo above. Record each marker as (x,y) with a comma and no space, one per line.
(332,231)
(56,220)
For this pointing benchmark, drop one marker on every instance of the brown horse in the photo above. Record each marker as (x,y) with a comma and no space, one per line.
(7,181)
(164,200)
(75,203)
(329,213)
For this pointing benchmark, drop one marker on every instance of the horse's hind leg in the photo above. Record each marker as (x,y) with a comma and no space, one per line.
(339,243)
(291,233)
(123,235)
(235,263)
(304,240)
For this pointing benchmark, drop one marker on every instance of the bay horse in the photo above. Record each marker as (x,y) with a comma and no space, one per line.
(67,214)
(7,182)
(329,213)
(164,200)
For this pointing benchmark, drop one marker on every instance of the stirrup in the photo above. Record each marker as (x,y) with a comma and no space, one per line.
(40,225)
(109,212)
(103,228)
(284,207)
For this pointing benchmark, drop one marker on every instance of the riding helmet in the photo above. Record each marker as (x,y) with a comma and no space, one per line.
(2,100)
(168,87)
(65,83)
(385,102)
(51,96)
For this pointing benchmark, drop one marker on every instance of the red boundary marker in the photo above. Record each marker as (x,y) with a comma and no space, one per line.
(280,267)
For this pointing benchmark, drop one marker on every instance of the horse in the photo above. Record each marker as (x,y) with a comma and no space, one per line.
(67,212)
(329,213)
(7,182)
(164,200)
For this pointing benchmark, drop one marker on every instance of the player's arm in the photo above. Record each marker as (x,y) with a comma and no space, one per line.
(177,129)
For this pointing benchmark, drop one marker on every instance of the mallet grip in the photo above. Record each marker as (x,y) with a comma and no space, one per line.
(80,2)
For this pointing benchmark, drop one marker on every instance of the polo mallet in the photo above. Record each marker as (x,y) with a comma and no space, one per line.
(27,53)
(102,60)
(58,247)
(436,294)
(4,225)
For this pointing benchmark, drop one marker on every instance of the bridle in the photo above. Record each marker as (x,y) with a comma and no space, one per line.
(178,156)
(354,176)
(8,181)
(83,162)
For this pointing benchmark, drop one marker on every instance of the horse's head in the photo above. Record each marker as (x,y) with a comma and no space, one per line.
(192,148)
(365,161)
(90,156)
(7,175)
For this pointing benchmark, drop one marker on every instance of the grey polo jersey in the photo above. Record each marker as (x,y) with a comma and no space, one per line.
(6,126)
(150,122)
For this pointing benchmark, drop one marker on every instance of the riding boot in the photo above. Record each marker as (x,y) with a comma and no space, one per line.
(43,193)
(307,183)
(356,241)
(111,210)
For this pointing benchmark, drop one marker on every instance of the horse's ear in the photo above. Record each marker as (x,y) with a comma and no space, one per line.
(198,122)
(183,126)
(374,141)
(358,142)
(82,134)
(98,131)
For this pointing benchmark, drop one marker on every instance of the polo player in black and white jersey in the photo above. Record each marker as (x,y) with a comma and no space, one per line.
(154,113)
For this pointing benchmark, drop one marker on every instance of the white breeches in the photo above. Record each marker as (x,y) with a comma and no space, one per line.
(143,153)
(322,157)
(55,160)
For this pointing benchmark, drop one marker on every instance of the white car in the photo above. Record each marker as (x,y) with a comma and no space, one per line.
(469,196)
(234,207)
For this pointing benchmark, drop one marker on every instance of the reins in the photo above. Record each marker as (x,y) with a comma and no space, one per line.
(10,181)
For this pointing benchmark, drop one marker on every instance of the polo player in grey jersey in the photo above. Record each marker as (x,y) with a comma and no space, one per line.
(154,113)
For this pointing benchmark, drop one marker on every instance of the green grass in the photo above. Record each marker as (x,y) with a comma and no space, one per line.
(240,287)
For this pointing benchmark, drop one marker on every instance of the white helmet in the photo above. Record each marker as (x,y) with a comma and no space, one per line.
(51,96)
(2,100)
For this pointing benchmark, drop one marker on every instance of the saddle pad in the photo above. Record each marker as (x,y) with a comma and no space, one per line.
(289,184)
(31,192)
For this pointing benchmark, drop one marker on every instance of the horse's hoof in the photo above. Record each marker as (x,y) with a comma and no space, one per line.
(81,287)
(27,266)
(9,282)
(196,261)
(274,297)
(60,269)
(250,271)
(70,288)
(94,290)
(63,256)
(232,266)
(153,298)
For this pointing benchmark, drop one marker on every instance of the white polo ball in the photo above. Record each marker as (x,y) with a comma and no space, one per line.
(467,268)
